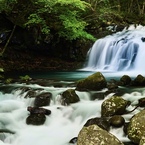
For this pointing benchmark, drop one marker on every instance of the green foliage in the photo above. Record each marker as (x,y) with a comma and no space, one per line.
(70,19)
(60,16)
(8,81)
(25,78)
(7,5)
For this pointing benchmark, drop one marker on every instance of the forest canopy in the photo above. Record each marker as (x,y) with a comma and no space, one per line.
(71,19)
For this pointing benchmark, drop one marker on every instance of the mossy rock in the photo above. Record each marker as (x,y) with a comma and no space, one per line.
(94,135)
(125,80)
(93,82)
(136,127)
(69,96)
(115,105)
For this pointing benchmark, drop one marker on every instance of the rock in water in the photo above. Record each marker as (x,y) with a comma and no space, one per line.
(94,82)
(136,127)
(94,135)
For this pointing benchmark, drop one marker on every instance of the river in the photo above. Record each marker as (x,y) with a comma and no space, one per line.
(65,122)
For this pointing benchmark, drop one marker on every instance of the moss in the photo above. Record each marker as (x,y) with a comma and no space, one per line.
(25,78)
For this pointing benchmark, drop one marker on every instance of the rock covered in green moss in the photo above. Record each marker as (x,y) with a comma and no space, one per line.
(94,135)
(95,82)
(117,121)
(142,141)
(114,105)
(139,81)
(69,96)
(125,80)
(136,127)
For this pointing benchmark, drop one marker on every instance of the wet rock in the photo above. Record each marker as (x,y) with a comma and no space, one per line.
(95,82)
(125,127)
(42,99)
(69,96)
(125,80)
(143,39)
(36,119)
(37,115)
(117,121)
(136,127)
(115,105)
(139,81)
(129,143)
(112,86)
(73,140)
(37,110)
(31,94)
(141,102)
(24,89)
(94,135)
(101,122)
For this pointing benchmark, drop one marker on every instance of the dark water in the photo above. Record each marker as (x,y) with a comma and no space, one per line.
(72,75)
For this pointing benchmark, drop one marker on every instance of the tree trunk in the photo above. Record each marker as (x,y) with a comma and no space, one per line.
(8,41)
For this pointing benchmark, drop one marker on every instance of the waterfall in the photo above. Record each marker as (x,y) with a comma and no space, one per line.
(122,51)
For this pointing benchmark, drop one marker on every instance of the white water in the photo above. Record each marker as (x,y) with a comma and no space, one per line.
(61,126)
(122,51)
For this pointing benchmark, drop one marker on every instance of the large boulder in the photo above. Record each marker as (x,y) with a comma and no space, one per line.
(125,80)
(94,82)
(114,105)
(139,81)
(94,135)
(69,96)
(136,127)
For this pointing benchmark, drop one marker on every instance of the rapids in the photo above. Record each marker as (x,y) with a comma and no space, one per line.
(61,126)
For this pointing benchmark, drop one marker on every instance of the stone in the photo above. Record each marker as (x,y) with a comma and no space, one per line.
(142,141)
(36,119)
(139,81)
(69,96)
(117,121)
(94,135)
(136,127)
(42,99)
(73,140)
(125,80)
(114,105)
(37,110)
(94,82)
(101,122)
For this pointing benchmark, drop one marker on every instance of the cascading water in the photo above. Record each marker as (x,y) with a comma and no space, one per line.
(122,51)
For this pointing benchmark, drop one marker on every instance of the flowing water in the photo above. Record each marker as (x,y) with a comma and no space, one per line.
(60,127)
(122,51)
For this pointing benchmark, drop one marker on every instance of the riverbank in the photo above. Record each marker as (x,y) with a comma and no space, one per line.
(30,60)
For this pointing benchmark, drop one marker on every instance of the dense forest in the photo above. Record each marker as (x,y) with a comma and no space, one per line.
(63,29)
